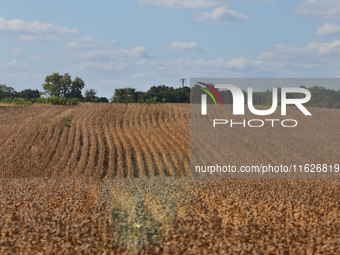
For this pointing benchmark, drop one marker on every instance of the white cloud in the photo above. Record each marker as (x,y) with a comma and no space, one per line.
(111,66)
(203,67)
(147,62)
(326,48)
(183,64)
(136,52)
(15,65)
(88,42)
(239,63)
(314,56)
(119,82)
(328,29)
(17,51)
(182,4)
(220,15)
(147,74)
(98,50)
(280,51)
(268,1)
(38,56)
(20,26)
(185,46)
(191,4)
(199,67)
(277,61)
(39,38)
(311,50)
(328,9)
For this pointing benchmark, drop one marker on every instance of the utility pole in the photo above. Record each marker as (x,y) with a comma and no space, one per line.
(183,80)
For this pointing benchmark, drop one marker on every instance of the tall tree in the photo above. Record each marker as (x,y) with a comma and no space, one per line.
(29,94)
(90,94)
(77,86)
(52,82)
(125,95)
(58,85)
(6,91)
(65,85)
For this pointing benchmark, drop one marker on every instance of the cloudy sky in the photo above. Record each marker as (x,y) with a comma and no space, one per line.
(141,43)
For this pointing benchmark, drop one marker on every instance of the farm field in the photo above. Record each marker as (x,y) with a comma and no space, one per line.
(314,140)
(115,178)
(94,140)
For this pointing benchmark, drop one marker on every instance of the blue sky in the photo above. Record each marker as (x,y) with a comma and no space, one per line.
(141,43)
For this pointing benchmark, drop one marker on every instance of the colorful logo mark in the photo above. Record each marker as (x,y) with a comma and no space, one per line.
(208,92)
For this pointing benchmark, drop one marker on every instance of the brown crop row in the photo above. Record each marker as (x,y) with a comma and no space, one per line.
(113,179)
(94,140)
(167,215)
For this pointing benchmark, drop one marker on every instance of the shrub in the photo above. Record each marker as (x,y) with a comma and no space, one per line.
(95,100)
(73,101)
(6,100)
(21,101)
(16,101)
(41,100)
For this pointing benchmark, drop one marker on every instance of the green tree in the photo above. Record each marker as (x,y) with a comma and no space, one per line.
(126,95)
(52,84)
(65,86)
(62,86)
(90,94)
(171,95)
(6,91)
(77,86)
(29,94)
(103,100)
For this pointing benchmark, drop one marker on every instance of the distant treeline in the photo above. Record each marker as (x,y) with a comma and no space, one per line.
(41,100)
(320,97)
(8,94)
(55,86)
(155,94)
(70,94)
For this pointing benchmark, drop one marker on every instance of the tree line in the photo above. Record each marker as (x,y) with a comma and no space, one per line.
(57,89)
(61,89)
(156,94)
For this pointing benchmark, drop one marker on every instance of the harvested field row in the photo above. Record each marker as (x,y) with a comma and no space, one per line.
(94,141)
(315,139)
(118,140)
(51,216)
(166,215)
(112,179)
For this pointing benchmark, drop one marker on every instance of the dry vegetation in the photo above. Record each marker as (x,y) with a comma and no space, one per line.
(94,140)
(50,216)
(237,216)
(60,191)
(315,140)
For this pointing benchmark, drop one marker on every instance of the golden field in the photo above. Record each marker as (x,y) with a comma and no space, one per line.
(115,178)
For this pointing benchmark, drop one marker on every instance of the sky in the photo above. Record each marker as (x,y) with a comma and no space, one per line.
(142,43)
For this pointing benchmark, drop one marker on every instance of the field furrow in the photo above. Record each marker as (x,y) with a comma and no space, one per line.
(61,169)
(113,179)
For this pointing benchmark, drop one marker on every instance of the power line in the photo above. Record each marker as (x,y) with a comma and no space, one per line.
(183,80)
